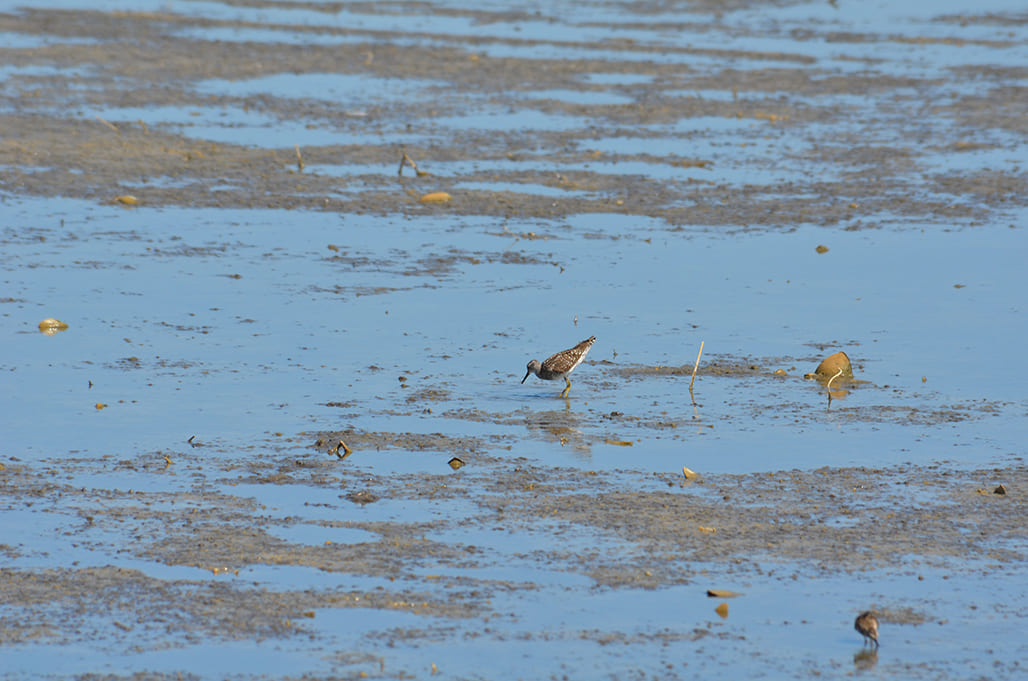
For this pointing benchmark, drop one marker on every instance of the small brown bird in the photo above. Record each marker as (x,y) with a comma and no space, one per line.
(867,626)
(560,364)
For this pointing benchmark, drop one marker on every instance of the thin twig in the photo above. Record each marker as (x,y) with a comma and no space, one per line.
(837,374)
(407,160)
(696,367)
(404,160)
(346,450)
(829,386)
(108,124)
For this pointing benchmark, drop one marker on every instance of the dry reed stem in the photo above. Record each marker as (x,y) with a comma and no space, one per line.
(108,124)
(696,366)
(407,160)
(837,374)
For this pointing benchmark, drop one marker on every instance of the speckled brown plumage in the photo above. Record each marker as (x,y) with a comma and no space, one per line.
(867,626)
(561,364)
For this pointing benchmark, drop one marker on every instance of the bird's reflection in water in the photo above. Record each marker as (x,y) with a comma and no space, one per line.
(866,658)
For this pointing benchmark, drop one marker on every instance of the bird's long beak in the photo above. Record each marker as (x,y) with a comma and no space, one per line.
(526,377)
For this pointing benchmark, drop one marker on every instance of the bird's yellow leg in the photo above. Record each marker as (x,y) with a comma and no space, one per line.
(564,392)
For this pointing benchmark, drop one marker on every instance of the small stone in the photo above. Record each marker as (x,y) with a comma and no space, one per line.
(51,326)
(1000,490)
(722,593)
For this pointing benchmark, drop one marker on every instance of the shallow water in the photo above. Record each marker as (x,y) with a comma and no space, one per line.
(171,343)
(658,178)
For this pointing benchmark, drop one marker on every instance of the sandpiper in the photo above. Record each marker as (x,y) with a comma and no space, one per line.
(560,364)
(867,626)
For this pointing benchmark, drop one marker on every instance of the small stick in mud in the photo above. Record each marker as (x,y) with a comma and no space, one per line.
(299,158)
(517,237)
(342,445)
(828,387)
(108,124)
(407,160)
(696,367)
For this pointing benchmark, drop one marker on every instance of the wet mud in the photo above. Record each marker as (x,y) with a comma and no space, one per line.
(622,530)
(47,153)
(173,557)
